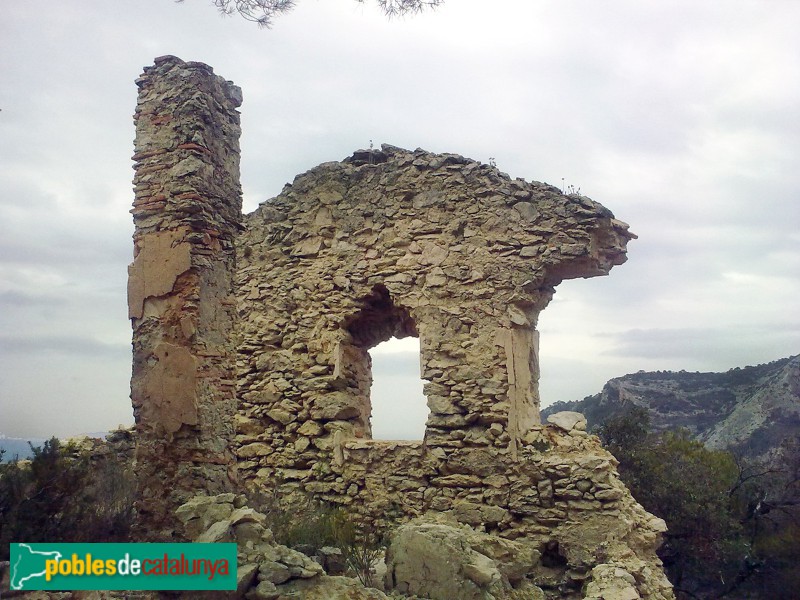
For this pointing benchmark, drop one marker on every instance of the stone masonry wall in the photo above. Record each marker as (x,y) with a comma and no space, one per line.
(562,495)
(187,212)
(402,243)
(399,243)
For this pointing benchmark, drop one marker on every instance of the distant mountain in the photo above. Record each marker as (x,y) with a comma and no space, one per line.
(748,410)
(18,447)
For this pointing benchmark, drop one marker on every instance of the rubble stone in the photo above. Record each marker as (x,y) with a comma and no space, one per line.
(266,570)
(442,560)
(568,420)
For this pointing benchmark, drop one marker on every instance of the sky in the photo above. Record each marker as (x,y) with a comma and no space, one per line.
(682,117)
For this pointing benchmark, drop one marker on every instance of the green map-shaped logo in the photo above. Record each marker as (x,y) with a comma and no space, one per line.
(27,564)
(122,566)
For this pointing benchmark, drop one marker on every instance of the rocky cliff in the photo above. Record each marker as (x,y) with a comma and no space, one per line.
(748,410)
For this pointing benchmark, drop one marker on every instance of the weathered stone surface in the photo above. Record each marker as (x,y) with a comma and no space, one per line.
(329,588)
(416,244)
(266,570)
(167,389)
(245,578)
(332,560)
(162,258)
(386,243)
(265,590)
(187,212)
(568,421)
(442,561)
(611,583)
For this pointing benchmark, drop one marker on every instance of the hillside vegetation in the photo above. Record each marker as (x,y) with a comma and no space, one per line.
(749,411)
(717,456)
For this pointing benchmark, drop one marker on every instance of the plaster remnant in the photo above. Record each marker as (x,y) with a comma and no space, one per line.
(168,390)
(161,259)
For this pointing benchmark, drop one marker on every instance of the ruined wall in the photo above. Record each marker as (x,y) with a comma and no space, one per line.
(563,498)
(402,243)
(443,248)
(187,212)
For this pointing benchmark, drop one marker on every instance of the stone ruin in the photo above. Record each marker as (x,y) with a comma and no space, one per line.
(251,337)
(187,214)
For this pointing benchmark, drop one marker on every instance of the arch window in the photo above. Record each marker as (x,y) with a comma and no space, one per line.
(384,367)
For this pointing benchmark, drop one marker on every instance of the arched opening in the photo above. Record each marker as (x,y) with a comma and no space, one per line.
(384,374)
(399,407)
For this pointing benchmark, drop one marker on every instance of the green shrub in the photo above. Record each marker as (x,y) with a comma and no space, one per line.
(62,495)
(732,525)
(308,525)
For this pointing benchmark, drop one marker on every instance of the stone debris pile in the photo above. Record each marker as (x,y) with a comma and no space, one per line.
(266,570)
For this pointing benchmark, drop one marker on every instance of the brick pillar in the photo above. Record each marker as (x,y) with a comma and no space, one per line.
(187,212)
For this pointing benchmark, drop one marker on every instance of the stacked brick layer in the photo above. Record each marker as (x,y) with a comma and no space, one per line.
(187,213)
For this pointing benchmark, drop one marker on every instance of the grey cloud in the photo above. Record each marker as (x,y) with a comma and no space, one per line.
(709,346)
(387,365)
(399,407)
(64,345)
(49,234)
(15,299)
(559,380)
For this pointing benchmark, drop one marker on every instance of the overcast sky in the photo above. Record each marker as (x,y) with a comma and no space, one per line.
(682,117)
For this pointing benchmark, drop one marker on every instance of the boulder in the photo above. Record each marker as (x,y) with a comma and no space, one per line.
(440,559)
(266,570)
(329,588)
(568,420)
(611,583)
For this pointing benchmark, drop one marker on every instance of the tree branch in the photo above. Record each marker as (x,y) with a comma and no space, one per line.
(262,12)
